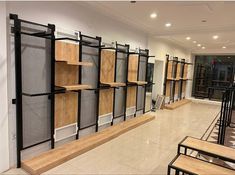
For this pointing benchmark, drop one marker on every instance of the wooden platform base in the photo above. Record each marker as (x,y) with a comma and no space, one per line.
(57,156)
(177,104)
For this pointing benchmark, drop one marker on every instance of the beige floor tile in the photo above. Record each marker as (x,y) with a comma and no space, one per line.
(147,149)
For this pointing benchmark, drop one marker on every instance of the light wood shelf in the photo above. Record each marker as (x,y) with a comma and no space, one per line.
(77,87)
(89,64)
(139,82)
(114,84)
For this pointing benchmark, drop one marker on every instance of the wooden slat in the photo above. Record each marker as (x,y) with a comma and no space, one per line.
(65,109)
(177,104)
(106,101)
(57,156)
(131,97)
(66,105)
(169,70)
(132,68)
(107,66)
(178,71)
(107,70)
(77,87)
(168,88)
(65,51)
(185,71)
(200,167)
(209,147)
(65,74)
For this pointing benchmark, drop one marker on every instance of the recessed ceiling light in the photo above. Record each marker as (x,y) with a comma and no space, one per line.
(194,42)
(215,37)
(224,47)
(203,47)
(199,45)
(188,38)
(168,24)
(153,15)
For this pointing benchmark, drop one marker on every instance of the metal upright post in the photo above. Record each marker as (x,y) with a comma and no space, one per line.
(79,92)
(98,84)
(146,72)
(125,88)
(18,82)
(181,77)
(115,78)
(52,96)
(165,79)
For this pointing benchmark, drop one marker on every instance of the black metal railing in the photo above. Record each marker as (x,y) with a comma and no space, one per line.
(225,119)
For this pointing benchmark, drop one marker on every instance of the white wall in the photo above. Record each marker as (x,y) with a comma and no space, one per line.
(4,142)
(78,16)
(160,47)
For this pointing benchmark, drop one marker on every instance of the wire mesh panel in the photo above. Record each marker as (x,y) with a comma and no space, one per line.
(89,76)
(36,78)
(119,108)
(141,77)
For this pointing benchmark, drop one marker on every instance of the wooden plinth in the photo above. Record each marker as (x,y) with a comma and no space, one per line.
(57,156)
(177,104)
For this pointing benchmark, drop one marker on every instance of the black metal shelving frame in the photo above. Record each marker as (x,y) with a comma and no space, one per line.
(84,41)
(17,30)
(225,119)
(173,81)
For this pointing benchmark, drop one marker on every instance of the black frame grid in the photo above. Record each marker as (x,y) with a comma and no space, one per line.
(17,30)
(84,41)
(173,81)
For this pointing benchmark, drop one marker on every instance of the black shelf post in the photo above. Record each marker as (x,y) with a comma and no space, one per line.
(18,83)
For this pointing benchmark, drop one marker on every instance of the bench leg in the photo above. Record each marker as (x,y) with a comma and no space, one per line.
(178,151)
(177,172)
(169,170)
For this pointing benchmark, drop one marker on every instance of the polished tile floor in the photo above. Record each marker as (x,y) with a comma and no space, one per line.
(145,150)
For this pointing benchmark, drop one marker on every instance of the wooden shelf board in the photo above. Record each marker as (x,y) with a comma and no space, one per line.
(139,82)
(61,154)
(209,147)
(77,87)
(177,104)
(81,63)
(114,84)
(197,166)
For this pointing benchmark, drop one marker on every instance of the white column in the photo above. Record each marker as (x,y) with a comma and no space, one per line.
(4,138)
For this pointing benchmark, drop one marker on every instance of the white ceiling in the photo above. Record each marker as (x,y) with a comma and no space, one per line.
(186,20)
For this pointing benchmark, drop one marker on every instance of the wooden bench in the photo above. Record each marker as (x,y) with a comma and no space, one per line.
(61,154)
(191,165)
(207,148)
